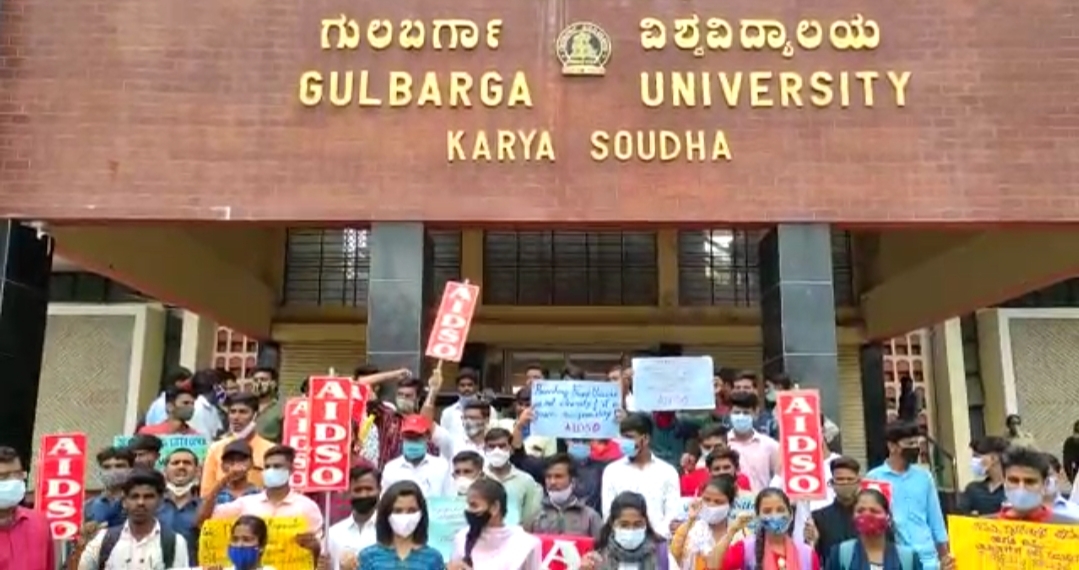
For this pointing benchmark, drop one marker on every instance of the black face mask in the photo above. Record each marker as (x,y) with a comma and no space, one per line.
(910,454)
(364,505)
(477,520)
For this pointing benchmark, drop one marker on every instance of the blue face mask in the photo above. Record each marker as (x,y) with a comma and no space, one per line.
(742,423)
(244,557)
(578,450)
(1022,499)
(413,450)
(628,447)
(12,493)
(776,524)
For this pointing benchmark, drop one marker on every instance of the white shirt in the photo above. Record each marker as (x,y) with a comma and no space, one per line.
(450,444)
(657,482)
(132,554)
(433,475)
(347,537)
(671,563)
(452,419)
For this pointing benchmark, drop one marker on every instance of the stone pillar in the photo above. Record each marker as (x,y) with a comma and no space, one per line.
(198,340)
(25,267)
(874,403)
(798,309)
(398,296)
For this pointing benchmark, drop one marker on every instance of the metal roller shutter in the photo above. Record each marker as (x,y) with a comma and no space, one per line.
(302,359)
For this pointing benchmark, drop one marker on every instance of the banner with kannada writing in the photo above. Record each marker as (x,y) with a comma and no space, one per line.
(446,517)
(196,443)
(989,544)
(282,552)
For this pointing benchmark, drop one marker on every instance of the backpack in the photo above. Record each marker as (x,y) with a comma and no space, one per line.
(846,555)
(112,537)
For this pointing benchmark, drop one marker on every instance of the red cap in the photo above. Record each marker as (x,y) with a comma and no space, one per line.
(415,423)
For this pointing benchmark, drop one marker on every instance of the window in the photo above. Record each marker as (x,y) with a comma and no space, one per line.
(570,268)
(331,267)
(722,267)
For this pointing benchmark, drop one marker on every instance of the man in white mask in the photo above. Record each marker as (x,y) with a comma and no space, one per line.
(524,497)
(24,530)
(179,507)
(242,419)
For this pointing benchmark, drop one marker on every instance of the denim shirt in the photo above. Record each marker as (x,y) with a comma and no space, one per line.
(102,509)
(181,520)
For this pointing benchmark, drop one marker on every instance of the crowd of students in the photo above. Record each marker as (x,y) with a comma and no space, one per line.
(696,491)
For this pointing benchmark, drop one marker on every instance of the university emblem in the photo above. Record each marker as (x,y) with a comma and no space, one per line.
(584,49)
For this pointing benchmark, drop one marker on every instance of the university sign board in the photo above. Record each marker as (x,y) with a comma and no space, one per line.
(594,112)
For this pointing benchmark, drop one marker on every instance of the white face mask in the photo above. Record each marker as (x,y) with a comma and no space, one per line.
(497,458)
(462,484)
(247,431)
(405,524)
(715,515)
(180,490)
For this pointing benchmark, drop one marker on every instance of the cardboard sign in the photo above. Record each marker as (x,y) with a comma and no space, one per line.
(801,444)
(884,487)
(294,433)
(450,330)
(562,552)
(60,483)
(330,405)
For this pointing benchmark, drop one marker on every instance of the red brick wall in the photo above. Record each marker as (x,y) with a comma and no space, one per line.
(174,109)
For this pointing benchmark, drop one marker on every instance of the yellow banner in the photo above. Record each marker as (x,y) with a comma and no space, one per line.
(987,544)
(282,552)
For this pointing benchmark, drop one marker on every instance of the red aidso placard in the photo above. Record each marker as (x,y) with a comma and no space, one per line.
(330,401)
(801,450)
(561,552)
(60,489)
(884,487)
(294,433)
(450,329)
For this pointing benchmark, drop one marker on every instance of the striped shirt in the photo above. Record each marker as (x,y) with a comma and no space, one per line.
(379,557)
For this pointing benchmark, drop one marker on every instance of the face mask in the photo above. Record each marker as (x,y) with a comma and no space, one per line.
(414,450)
(180,490)
(12,492)
(977,467)
(910,454)
(742,423)
(275,478)
(579,451)
(114,478)
(477,520)
(776,524)
(363,505)
(715,515)
(770,396)
(244,557)
(629,538)
(497,458)
(1023,500)
(404,524)
(560,497)
(246,431)
(846,492)
(474,428)
(870,524)
(185,414)
(628,447)
(405,405)
(463,484)
(465,400)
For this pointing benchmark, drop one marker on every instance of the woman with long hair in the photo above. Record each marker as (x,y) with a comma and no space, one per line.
(875,548)
(701,541)
(627,541)
(248,543)
(772,547)
(401,532)
(489,543)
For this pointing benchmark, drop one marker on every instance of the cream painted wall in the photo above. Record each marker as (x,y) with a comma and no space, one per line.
(198,341)
(952,417)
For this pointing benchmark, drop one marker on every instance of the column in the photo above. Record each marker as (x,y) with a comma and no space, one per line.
(874,403)
(950,403)
(798,309)
(25,266)
(397,297)
(198,339)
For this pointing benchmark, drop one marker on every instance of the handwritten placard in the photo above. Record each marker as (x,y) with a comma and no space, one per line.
(673,383)
(446,517)
(1010,545)
(196,443)
(576,409)
(282,551)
